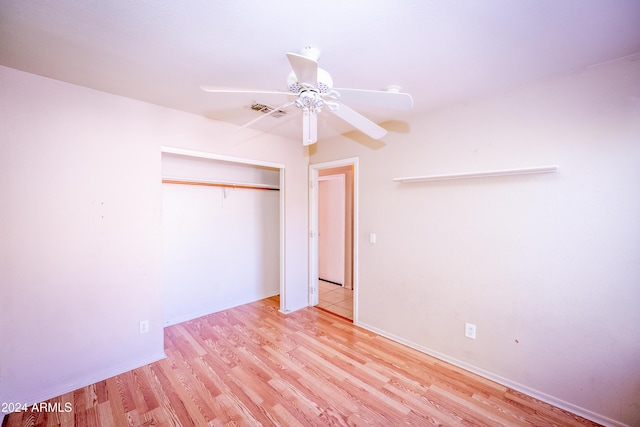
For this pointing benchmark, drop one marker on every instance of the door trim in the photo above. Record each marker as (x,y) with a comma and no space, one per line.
(313,229)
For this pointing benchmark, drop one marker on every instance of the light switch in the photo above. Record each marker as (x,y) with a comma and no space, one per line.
(372,238)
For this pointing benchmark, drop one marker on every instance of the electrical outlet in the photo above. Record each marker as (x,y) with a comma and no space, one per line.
(470,330)
(144,326)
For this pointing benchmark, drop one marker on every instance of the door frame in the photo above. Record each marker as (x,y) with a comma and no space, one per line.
(313,228)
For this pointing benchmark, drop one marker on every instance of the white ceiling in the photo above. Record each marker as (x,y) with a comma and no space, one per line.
(441,52)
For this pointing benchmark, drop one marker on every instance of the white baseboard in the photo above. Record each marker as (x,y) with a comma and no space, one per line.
(94,377)
(585,413)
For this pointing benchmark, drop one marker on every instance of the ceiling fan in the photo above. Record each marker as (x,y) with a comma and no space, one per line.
(311,90)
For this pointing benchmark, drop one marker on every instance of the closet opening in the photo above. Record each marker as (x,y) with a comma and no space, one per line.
(222,233)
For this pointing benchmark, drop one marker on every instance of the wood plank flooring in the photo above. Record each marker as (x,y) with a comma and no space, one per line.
(252,365)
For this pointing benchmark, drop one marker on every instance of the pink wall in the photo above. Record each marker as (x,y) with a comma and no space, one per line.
(347,171)
(332,235)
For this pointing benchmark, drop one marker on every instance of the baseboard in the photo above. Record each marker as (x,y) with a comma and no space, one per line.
(585,413)
(90,379)
(215,309)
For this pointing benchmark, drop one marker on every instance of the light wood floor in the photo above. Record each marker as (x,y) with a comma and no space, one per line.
(252,365)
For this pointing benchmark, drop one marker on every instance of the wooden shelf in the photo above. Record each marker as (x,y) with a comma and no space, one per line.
(499,172)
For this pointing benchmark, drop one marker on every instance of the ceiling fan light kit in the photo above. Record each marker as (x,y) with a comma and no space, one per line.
(313,88)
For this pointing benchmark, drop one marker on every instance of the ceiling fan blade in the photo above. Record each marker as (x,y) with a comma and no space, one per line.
(358,121)
(376,98)
(275,110)
(305,69)
(309,127)
(218,89)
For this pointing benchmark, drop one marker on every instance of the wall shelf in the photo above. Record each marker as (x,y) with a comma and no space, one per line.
(499,172)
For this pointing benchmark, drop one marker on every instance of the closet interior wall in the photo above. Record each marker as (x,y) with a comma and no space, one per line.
(220,241)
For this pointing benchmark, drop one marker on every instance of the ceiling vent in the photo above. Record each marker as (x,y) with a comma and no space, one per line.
(267,109)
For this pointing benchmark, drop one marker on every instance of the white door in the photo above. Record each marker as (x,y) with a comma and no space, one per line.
(331,228)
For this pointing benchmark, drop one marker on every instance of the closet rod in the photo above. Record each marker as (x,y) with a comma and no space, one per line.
(219,184)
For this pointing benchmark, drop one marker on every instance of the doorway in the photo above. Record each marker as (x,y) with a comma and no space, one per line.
(333,246)
(332,227)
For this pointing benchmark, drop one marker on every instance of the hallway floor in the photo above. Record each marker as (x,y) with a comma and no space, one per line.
(336,299)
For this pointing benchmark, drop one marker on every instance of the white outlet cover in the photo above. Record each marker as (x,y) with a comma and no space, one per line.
(144,326)
(470,330)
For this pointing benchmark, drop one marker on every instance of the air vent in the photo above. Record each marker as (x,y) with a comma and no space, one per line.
(267,109)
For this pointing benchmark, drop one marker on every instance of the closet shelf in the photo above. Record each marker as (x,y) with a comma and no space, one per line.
(499,172)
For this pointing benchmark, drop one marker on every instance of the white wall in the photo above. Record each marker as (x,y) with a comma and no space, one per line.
(221,246)
(81,228)
(546,266)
